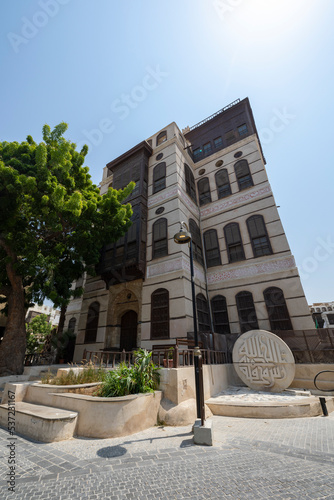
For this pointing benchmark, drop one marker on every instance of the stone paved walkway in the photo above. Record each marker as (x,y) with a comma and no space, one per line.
(252,459)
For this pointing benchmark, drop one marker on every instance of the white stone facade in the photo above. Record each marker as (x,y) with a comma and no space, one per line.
(172,271)
(325,311)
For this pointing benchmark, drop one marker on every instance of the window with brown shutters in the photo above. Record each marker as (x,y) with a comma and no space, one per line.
(190,183)
(160,240)
(230,137)
(159,177)
(196,241)
(131,243)
(162,137)
(220,315)
(203,314)
(160,314)
(204,194)
(71,325)
(243,174)
(127,174)
(234,246)
(330,318)
(246,312)
(223,183)
(277,310)
(212,251)
(92,323)
(258,236)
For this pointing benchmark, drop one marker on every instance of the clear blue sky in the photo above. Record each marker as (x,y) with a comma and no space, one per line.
(181,60)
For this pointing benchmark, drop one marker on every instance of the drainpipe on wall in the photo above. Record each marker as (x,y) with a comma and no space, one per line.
(206,281)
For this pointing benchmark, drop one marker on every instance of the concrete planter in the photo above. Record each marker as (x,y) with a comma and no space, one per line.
(111,417)
(97,417)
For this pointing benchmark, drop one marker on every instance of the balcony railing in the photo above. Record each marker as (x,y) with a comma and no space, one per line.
(161,357)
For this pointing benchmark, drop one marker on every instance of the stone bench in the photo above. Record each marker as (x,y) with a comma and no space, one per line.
(41,423)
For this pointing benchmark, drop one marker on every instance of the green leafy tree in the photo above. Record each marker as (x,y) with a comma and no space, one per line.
(37,331)
(53,225)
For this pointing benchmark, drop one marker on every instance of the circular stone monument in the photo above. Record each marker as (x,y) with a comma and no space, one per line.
(263,361)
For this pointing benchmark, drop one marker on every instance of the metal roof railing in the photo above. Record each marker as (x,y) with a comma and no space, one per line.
(215,114)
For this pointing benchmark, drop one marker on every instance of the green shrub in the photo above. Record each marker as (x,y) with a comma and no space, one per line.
(37,331)
(89,374)
(142,377)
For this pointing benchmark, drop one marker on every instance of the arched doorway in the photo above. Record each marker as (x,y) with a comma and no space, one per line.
(128,339)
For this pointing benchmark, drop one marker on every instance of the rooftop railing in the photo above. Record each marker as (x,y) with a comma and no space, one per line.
(215,114)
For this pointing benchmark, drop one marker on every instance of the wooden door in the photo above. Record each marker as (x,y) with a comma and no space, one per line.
(129,331)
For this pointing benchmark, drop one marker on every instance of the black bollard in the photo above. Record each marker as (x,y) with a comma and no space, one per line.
(323,406)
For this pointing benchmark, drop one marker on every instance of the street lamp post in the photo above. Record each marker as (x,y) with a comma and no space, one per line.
(181,238)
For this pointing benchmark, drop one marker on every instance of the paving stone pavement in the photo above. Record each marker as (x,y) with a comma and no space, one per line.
(252,459)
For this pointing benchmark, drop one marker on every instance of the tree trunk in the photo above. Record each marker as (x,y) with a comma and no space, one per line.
(61,321)
(13,345)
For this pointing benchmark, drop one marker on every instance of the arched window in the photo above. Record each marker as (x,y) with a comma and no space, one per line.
(162,137)
(202,313)
(243,174)
(223,183)
(92,323)
(220,315)
(234,246)
(212,251)
(196,241)
(71,324)
(246,312)
(259,236)
(160,314)
(190,182)
(160,240)
(204,194)
(277,310)
(159,177)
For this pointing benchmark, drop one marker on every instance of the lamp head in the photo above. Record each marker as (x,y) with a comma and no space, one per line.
(182,237)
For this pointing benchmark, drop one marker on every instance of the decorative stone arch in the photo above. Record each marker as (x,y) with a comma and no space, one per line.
(123,298)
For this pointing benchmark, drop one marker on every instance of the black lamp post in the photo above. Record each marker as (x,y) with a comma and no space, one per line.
(180,238)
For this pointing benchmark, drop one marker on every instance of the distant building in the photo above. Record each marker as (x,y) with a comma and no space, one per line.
(213,177)
(323,314)
(52,314)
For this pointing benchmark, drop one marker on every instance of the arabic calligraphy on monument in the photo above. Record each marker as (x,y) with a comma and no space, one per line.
(262,360)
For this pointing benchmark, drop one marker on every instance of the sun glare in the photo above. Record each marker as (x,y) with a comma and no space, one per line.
(266,20)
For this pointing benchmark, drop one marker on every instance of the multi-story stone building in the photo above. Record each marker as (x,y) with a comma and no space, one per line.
(323,314)
(211,176)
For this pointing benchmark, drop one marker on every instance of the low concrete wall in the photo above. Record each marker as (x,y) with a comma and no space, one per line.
(43,394)
(305,374)
(97,417)
(40,422)
(178,384)
(111,417)
(308,407)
